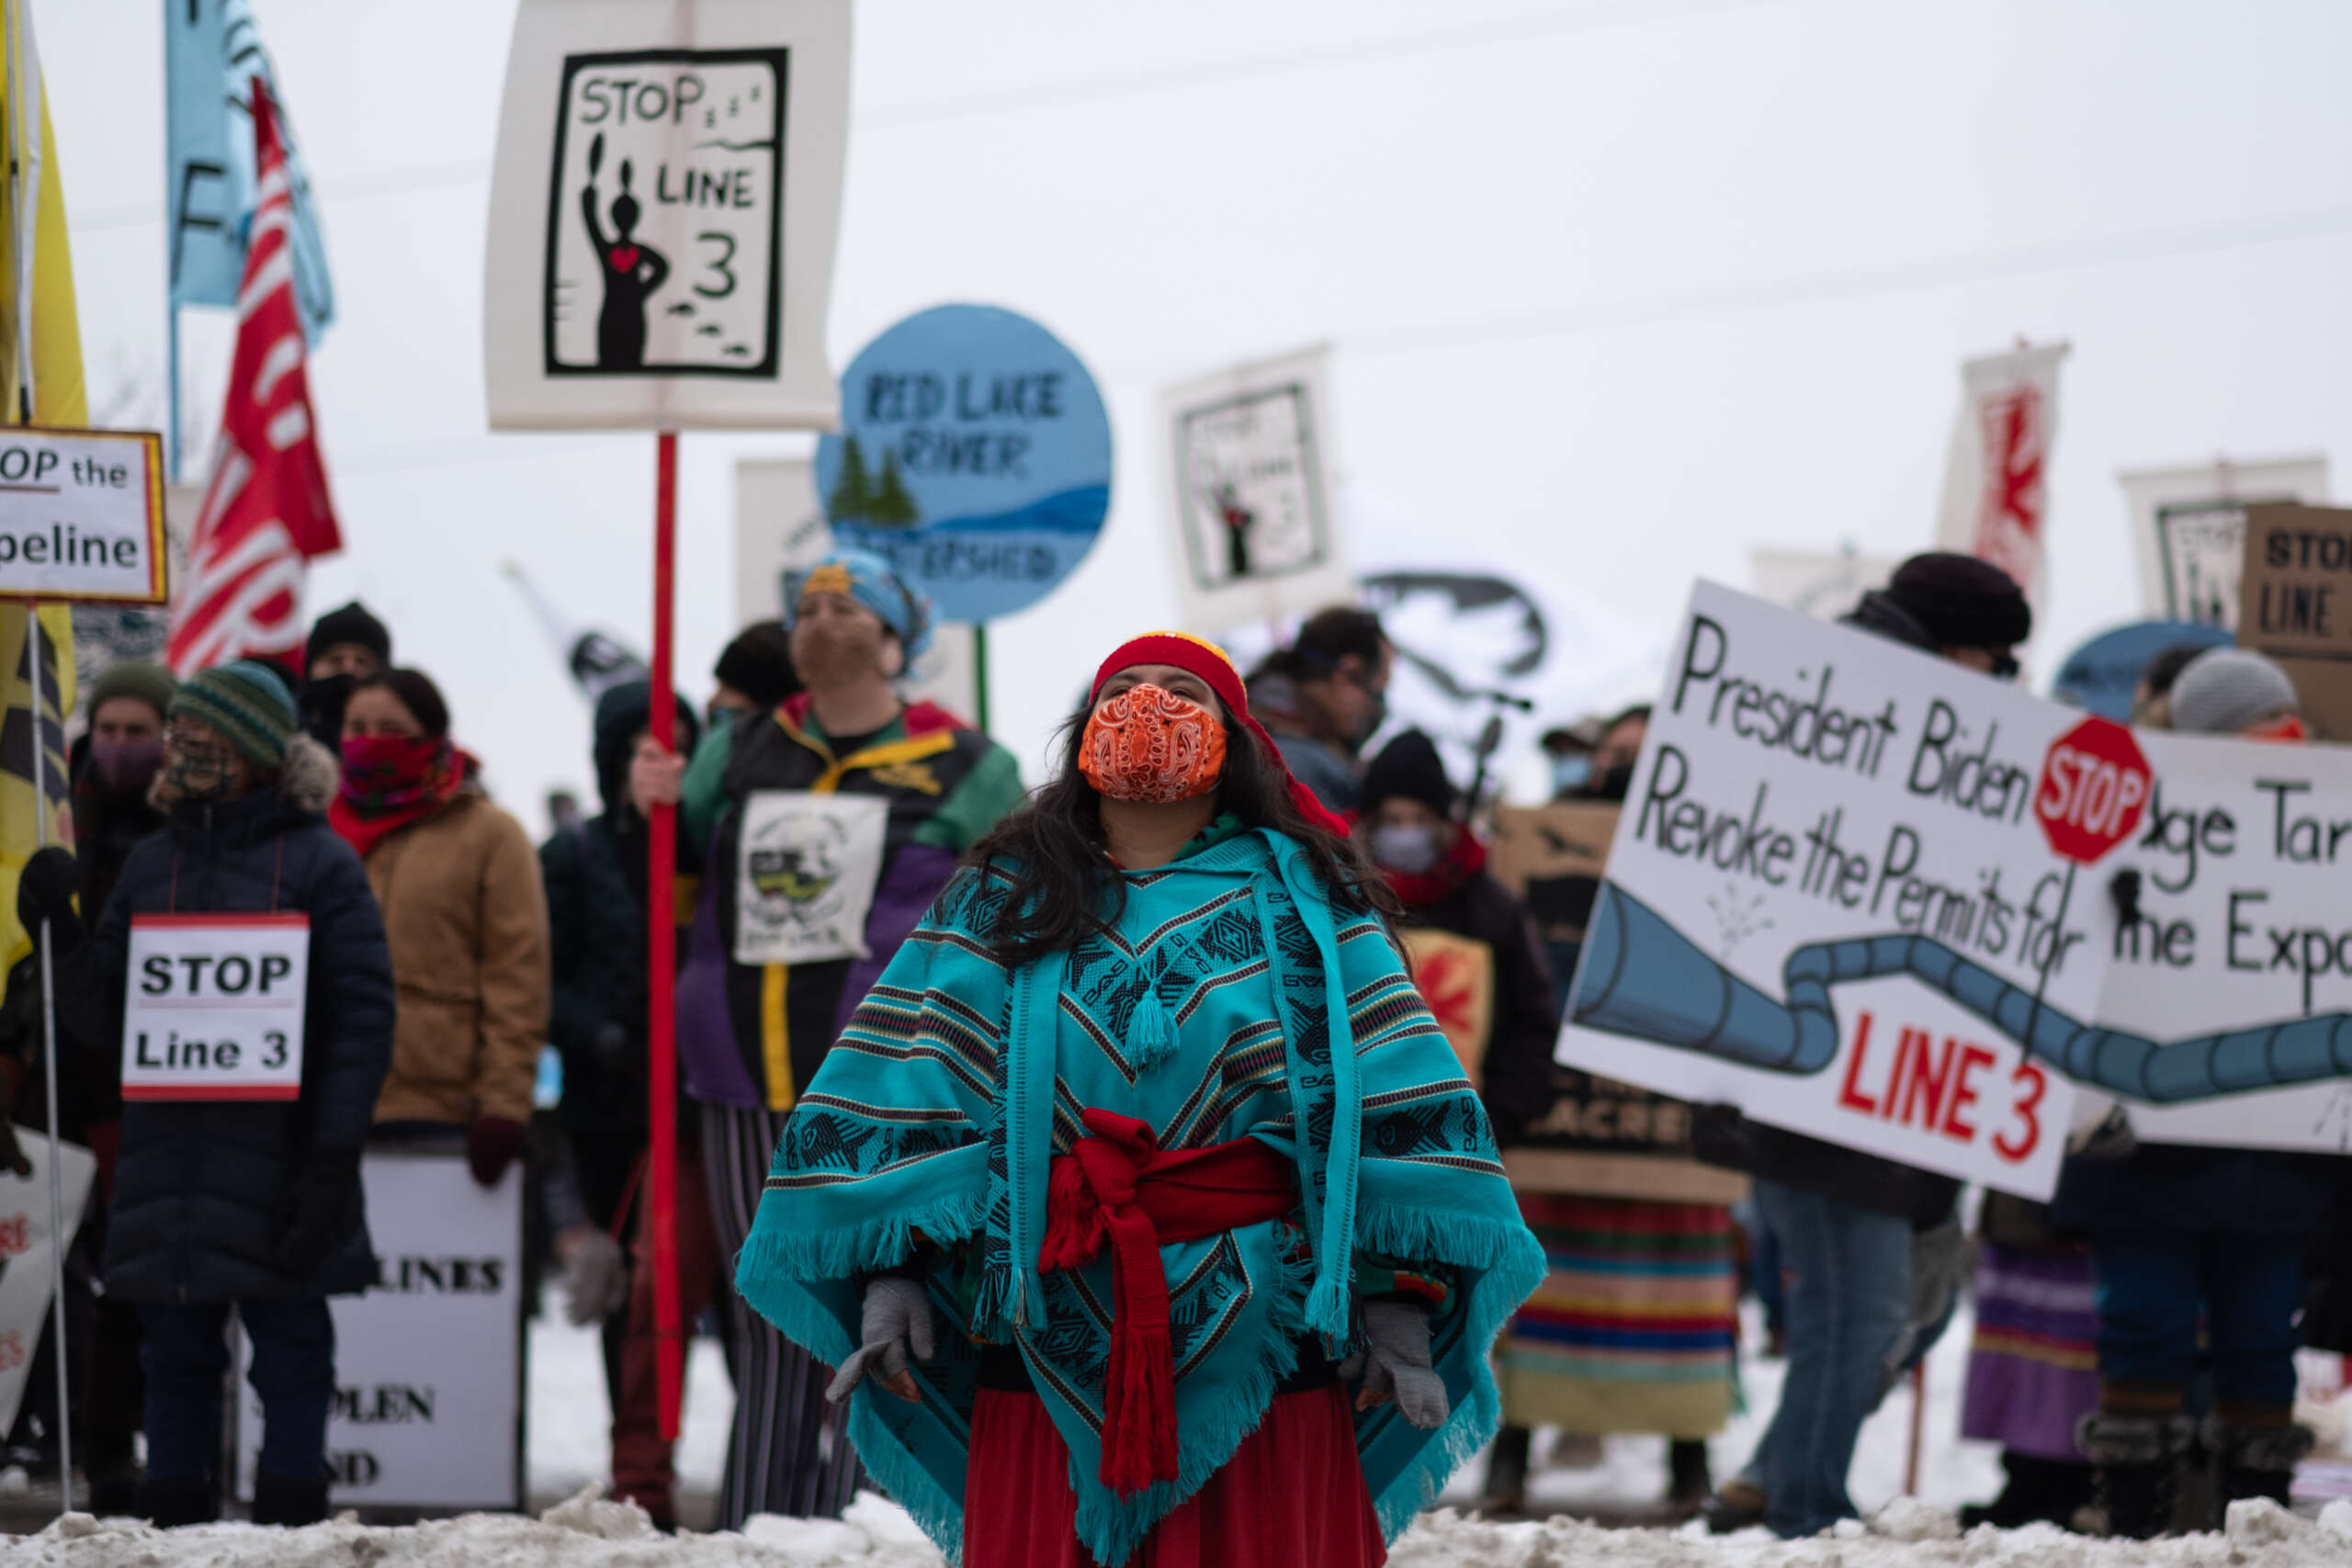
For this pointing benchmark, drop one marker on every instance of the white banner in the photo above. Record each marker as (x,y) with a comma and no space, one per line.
(2188,529)
(428,1365)
(1869,895)
(27,1271)
(1255,530)
(663,210)
(1997,495)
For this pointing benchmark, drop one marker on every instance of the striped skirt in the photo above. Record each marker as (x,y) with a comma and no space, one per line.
(2033,1368)
(1633,1327)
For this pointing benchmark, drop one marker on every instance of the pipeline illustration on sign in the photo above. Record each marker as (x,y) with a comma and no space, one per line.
(1645,980)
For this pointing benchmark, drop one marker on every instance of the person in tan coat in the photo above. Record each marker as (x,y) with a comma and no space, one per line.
(466,914)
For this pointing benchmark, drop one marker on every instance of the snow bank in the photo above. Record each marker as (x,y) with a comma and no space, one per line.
(587,1532)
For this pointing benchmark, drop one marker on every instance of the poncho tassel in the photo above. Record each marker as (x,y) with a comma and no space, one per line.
(1139,1445)
(1151,1034)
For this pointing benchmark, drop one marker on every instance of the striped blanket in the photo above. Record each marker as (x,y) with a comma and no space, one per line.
(1632,1330)
(2033,1370)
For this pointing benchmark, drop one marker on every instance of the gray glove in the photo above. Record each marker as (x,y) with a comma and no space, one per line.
(1394,1364)
(897,1318)
(596,1279)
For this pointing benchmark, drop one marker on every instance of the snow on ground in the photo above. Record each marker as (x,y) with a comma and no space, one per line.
(584,1533)
(568,1455)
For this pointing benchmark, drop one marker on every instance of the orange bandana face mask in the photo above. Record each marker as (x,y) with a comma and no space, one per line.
(1147,744)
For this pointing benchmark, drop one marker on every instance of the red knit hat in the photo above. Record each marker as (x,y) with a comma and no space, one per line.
(1196,655)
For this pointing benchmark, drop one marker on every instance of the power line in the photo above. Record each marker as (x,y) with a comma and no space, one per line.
(1583,18)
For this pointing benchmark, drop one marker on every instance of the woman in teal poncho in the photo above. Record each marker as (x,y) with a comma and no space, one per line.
(1143,1206)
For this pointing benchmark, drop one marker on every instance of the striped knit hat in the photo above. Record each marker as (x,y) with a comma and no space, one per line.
(247,703)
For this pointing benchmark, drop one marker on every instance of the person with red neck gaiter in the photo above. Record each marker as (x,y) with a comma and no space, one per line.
(466,914)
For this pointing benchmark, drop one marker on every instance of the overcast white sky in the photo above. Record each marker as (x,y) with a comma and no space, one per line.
(1618,289)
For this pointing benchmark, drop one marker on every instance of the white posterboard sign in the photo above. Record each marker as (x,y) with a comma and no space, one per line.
(2188,529)
(663,211)
(1832,901)
(428,1365)
(1256,529)
(82,516)
(26,1268)
(213,1007)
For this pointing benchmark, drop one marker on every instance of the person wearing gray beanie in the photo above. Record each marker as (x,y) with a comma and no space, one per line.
(2233,691)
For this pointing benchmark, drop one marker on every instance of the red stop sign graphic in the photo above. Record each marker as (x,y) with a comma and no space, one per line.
(2094,790)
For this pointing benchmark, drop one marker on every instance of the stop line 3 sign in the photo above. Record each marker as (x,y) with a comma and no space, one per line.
(2094,790)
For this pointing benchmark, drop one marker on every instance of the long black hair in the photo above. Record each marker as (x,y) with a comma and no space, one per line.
(1065,888)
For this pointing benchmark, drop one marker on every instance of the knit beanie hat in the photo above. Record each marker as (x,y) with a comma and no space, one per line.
(1961,602)
(872,582)
(350,623)
(1410,767)
(2228,690)
(141,678)
(247,703)
(758,663)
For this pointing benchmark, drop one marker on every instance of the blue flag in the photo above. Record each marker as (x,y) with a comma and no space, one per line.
(212,57)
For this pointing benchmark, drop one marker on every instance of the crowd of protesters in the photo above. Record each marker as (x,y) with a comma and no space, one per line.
(897,1100)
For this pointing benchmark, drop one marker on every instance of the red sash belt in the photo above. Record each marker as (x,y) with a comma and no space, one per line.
(1119,1188)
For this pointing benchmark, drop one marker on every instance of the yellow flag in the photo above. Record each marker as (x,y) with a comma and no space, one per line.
(57,397)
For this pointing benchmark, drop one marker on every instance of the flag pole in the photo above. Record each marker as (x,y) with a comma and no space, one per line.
(48,1059)
(661,956)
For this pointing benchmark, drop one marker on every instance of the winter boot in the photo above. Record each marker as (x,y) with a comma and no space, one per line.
(2137,1461)
(2043,1489)
(1690,1481)
(1739,1503)
(2256,1451)
(293,1504)
(1507,1471)
(170,1504)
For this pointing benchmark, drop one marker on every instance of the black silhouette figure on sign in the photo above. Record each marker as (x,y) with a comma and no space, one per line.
(631,270)
(1237,520)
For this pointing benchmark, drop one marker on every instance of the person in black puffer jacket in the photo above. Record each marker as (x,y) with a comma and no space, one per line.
(256,1203)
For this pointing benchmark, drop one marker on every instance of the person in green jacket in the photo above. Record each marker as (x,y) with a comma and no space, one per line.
(826,827)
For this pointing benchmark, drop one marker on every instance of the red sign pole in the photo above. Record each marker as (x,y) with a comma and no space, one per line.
(660,960)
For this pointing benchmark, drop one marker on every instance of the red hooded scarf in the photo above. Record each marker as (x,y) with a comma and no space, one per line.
(1196,655)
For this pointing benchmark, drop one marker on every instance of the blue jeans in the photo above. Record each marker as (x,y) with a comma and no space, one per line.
(1847,1281)
(2151,1285)
(186,1358)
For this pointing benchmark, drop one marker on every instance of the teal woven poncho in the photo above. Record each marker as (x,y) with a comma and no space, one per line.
(1209,1013)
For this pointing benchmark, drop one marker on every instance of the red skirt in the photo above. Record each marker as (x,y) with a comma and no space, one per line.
(1292,1495)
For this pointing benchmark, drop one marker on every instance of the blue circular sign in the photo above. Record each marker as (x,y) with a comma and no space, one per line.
(2102,675)
(973,456)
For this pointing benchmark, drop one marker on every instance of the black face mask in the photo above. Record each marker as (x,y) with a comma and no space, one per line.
(320,703)
(1614,785)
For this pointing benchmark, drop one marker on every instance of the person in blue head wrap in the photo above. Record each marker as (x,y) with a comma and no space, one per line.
(1147,1212)
(824,826)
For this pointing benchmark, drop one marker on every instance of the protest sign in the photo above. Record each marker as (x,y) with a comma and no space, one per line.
(428,1363)
(2188,529)
(1255,533)
(213,1007)
(1871,897)
(663,208)
(2295,604)
(27,1254)
(1997,497)
(1550,858)
(975,457)
(1825,584)
(82,516)
(1455,976)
